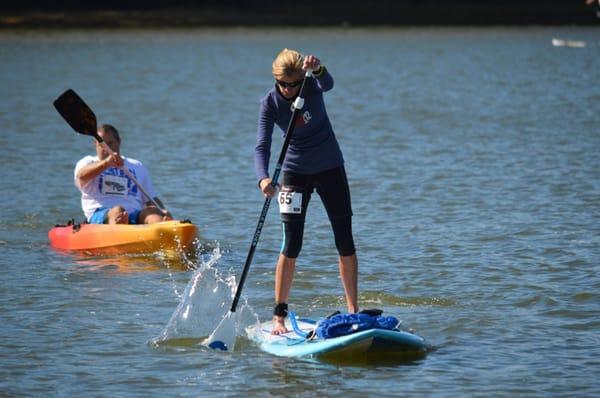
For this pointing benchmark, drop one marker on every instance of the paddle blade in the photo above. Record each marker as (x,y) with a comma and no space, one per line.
(76,112)
(223,338)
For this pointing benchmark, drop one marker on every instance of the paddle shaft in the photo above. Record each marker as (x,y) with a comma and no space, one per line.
(265,208)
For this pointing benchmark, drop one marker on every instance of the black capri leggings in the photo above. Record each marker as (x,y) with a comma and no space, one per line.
(296,190)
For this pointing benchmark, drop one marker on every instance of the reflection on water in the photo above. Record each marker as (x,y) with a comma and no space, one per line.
(131,263)
(376,359)
(182,260)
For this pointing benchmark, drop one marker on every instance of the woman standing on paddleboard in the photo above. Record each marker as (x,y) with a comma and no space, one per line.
(313,161)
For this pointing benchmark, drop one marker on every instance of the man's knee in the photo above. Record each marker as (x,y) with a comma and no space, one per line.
(117,215)
(151,215)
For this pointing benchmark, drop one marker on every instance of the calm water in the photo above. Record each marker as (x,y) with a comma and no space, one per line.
(474,162)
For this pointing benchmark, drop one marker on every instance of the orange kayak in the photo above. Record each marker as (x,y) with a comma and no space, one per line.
(170,237)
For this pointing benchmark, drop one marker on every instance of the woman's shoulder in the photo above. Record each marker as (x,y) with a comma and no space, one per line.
(270,99)
(270,96)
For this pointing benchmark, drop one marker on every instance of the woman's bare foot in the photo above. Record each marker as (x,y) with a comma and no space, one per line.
(279,325)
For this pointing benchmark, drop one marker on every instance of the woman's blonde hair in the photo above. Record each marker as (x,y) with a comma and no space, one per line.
(287,63)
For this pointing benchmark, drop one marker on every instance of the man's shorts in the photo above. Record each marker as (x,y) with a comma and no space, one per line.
(100,216)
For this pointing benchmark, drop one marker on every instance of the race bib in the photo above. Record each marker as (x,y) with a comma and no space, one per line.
(114,185)
(290,202)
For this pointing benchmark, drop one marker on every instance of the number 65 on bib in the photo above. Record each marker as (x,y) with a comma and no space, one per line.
(290,202)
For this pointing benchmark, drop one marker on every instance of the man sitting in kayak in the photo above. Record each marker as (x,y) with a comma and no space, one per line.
(108,195)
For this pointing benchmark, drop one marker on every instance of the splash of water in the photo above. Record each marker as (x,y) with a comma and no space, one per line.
(202,302)
(205,300)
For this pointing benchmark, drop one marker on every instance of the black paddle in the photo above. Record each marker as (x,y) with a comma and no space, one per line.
(82,119)
(224,335)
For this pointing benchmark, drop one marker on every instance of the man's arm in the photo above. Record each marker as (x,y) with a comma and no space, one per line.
(89,172)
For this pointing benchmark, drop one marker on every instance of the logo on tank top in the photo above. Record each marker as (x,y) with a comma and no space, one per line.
(303,119)
(306,117)
(114,181)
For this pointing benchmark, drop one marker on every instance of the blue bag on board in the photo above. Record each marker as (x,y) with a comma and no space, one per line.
(343,324)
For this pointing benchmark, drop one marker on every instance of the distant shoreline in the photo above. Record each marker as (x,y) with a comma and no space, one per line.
(395,15)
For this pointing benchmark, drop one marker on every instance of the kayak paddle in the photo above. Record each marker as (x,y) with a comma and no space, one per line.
(223,338)
(82,119)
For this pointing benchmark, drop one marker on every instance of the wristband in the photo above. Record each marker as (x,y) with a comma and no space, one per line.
(281,310)
(319,72)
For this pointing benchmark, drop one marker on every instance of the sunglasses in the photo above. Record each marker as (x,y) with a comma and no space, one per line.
(291,85)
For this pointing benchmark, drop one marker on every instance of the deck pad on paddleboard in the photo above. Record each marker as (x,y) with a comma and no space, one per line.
(291,344)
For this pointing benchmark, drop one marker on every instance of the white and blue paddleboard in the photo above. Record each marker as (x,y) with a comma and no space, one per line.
(294,344)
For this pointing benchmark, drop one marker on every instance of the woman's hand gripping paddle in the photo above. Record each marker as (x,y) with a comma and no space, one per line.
(223,338)
(82,119)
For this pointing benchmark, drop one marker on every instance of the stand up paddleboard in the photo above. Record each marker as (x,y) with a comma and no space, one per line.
(395,342)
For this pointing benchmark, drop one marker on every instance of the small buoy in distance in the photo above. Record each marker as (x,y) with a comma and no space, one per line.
(218,345)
